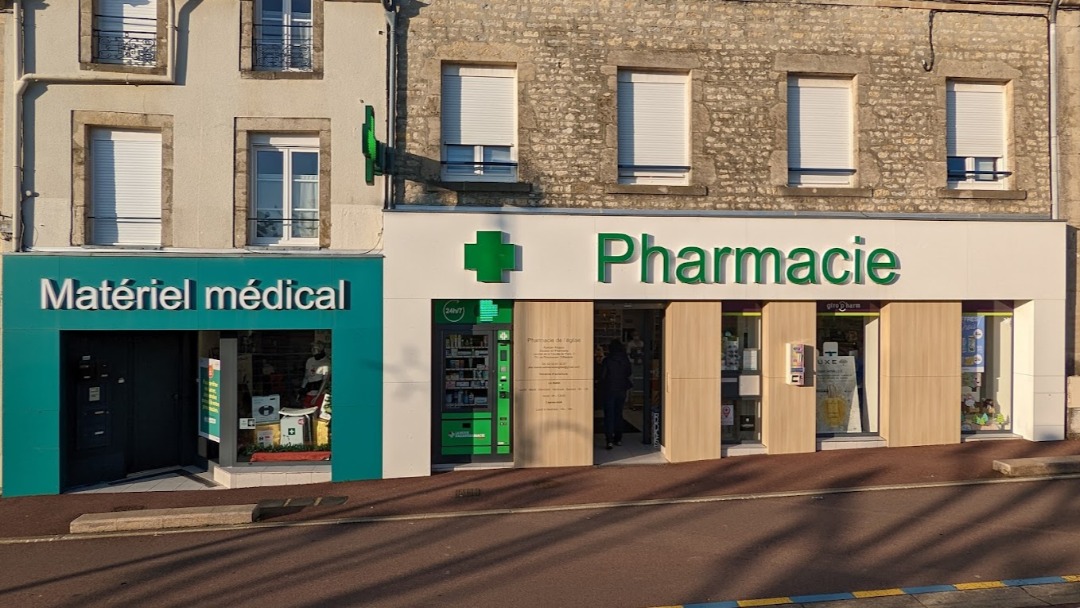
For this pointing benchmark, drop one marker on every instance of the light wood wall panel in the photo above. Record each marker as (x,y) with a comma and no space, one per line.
(692,361)
(553,382)
(920,373)
(787,412)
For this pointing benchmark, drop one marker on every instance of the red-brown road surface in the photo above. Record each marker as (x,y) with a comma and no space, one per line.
(625,557)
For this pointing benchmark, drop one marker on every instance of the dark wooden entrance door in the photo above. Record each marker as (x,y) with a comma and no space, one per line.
(129,403)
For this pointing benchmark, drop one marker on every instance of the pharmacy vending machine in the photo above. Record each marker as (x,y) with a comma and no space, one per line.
(473,356)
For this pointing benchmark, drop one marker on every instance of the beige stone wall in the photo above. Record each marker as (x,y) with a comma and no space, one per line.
(212,94)
(739,55)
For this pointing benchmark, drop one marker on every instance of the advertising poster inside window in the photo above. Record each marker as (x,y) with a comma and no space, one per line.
(210,399)
(838,407)
(973,344)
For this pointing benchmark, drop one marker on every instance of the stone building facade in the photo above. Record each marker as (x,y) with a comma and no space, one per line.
(739,56)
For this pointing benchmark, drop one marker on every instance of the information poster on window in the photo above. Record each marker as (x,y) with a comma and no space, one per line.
(727,414)
(731,354)
(210,399)
(266,408)
(973,344)
(837,396)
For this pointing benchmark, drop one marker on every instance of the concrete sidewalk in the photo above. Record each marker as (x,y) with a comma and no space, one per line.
(1061,591)
(506,490)
(523,488)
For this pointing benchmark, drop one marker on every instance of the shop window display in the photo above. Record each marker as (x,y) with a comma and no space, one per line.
(740,384)
(284,394)
(846,372)
(986,368)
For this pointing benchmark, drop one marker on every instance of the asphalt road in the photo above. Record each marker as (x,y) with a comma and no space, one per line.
(619,557)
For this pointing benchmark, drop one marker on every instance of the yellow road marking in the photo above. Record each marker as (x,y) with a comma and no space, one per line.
(769,601)
(1072,578)
(877,593)
(982,585)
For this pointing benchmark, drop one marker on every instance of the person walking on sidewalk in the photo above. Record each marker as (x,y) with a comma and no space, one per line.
(614,382)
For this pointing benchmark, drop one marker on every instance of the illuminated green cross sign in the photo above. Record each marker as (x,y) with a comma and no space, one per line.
(489,256)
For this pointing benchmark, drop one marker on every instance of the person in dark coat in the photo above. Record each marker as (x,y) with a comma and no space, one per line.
(614,382)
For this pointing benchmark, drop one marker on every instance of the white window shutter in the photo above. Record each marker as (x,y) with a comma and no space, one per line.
(125,187)
(478,106)
(819,128)
(976,119)
(652,115)
(127,15)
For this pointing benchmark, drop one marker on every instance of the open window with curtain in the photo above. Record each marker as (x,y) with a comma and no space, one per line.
(285,201)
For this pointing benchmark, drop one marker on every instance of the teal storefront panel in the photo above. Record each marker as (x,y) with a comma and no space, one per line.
(37,308)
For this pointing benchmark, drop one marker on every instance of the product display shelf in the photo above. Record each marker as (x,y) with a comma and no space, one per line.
(466,372)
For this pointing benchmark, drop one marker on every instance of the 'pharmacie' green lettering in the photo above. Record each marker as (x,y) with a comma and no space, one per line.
(605,259)
(845,265)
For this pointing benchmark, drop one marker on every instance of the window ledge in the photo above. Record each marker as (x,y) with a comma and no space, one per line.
(817,191)
(281,75)
(148,70)
(656,189)
(1001,195)
(284,248)
(517,187)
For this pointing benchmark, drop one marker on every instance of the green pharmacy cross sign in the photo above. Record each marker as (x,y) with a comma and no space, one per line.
(489,256)
(374,150)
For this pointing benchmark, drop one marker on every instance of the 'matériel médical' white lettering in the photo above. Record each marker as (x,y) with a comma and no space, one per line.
(284,294)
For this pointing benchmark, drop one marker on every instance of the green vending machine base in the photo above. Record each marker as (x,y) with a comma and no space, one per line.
(472,383)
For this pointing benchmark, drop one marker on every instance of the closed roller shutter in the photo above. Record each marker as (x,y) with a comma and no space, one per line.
(976,120)
(478,106)
(819,131)
(653,125)
(125,187)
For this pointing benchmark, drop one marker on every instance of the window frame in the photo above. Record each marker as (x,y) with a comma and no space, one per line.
(82,124)
(821,177)
(288,145)
(249,18)
(971,181)
(660,174)
(478,173)
(994,360)
(288,17)
(88,42)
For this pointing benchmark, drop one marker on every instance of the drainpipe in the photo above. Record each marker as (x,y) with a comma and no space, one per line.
(21,81)
(391,98)
(1055,211)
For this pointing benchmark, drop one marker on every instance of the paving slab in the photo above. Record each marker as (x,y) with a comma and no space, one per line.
(1001,597)
(1056,593)
(158,519)
(891,601)
(1038,466)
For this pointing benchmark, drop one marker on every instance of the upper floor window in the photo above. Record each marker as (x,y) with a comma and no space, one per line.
(125,32)
(975,135)
(285,190)
(125,187)
(819,131)
(654,128)
(283,35)
(479,123)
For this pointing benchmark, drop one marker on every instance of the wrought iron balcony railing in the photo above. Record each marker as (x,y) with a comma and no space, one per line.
(283,47)
(129,41)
